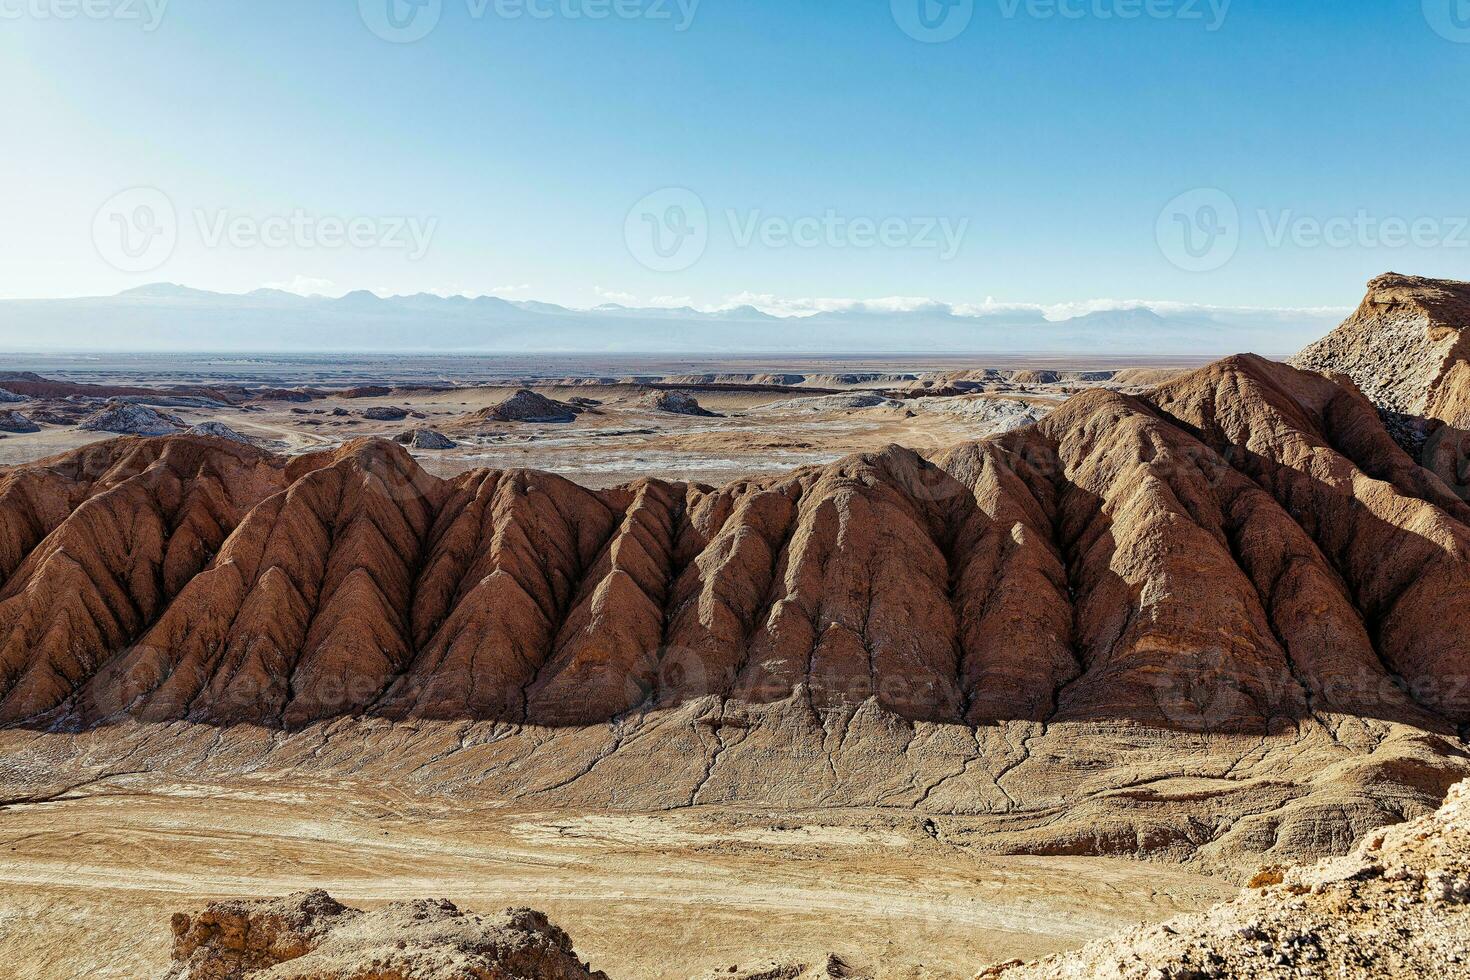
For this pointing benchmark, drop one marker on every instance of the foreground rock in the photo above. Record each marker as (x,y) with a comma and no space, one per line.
(1398,906)
(675,402)
(134,420)
(424,438)
(310,936)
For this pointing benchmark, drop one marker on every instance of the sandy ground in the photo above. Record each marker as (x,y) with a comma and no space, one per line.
(91,878)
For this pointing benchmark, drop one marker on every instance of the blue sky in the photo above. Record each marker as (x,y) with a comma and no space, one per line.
(1049,146)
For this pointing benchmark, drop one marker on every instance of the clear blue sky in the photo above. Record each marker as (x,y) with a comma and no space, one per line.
(1059,140)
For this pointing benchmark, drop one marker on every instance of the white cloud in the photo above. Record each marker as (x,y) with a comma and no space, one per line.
(307,286)
(615,296)
(1055,312)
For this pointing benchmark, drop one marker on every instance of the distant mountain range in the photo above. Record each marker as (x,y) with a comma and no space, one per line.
(163,316)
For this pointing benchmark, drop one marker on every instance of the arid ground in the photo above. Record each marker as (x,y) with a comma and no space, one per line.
(769,416)
(88,880)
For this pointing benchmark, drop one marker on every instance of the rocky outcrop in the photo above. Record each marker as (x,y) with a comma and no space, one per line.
(59,413)
(423,438)
(1398,906)
(845,402)
(1407,347)
(310,936)
(524,406)
(675,402)
(16,422)
(218,430)
(8,397)
(128,419)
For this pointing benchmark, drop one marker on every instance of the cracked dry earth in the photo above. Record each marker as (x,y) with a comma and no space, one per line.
(1217,626)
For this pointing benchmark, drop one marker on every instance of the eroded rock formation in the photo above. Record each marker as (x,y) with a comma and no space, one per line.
(1407,347)
(1221,621)
(524,406)
(424,438)
(674,402)
(131,419)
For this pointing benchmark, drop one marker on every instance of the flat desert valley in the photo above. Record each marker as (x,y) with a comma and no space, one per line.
(761,415)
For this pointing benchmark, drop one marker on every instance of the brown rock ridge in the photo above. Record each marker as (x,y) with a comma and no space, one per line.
(309,936)
(1407,347)
(1221,621)
(1398,906)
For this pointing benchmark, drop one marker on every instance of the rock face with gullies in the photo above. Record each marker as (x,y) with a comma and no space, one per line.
(675,402)
(1407,347)
(136,420)
(16,422)
(310,936)
(525,406)
(1219,623)
(423,438)
(1397,907)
